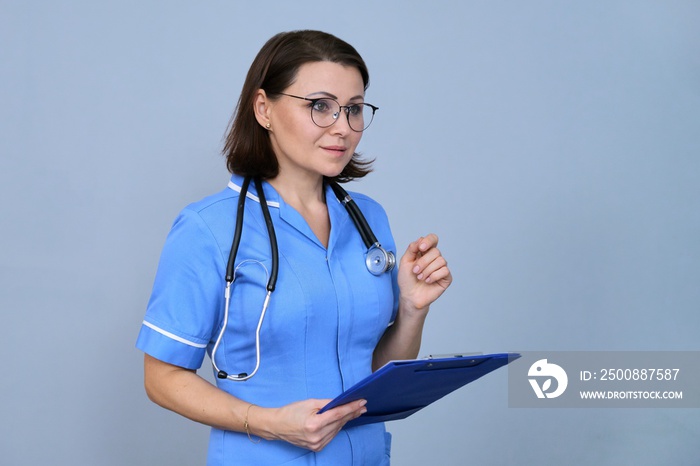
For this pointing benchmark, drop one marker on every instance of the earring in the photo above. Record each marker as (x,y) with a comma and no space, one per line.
(267,126)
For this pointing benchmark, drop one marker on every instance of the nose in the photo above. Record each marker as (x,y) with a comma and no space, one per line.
(342,123)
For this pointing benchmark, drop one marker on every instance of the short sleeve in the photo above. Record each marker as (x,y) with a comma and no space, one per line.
(187,298)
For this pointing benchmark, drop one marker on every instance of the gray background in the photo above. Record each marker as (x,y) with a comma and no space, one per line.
(553,145)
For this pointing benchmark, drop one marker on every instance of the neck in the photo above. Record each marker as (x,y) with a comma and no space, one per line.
(307,197)
(299,192)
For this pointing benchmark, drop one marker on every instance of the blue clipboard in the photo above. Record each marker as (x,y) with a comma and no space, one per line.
(401,388)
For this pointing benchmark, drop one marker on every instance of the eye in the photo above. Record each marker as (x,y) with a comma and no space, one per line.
(355,110)
(321,106)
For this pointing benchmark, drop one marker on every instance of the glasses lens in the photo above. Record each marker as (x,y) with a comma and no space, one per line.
(324,112)
(360,116)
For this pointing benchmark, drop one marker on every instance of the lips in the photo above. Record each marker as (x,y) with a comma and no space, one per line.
(339,150)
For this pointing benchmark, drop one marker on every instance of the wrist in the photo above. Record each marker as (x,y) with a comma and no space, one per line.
(409,310)
(257,421)
(246,424)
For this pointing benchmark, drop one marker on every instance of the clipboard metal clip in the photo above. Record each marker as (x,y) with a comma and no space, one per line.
(452,355)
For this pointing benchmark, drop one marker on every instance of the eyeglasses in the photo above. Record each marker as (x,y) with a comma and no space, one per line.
(325,111)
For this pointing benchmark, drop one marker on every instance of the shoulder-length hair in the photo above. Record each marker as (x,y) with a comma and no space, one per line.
(247,148)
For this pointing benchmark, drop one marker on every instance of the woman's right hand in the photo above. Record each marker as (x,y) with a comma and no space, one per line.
(184,392)
(300,424)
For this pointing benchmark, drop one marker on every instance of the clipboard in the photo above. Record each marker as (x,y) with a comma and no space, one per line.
(401,388)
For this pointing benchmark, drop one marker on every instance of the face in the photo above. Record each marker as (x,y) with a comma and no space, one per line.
(303,149)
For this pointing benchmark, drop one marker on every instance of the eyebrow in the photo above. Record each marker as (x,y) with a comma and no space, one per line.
(328,94)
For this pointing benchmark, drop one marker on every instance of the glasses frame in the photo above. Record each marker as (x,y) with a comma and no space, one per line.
(337,114)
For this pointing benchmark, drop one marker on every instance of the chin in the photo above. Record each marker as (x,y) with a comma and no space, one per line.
(333,173)
(333,170)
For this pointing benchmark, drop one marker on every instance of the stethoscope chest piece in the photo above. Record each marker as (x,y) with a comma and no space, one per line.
(379,260)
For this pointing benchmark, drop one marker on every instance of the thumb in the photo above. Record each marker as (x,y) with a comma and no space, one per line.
(413,251)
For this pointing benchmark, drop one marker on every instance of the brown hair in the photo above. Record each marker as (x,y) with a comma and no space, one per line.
(248,149)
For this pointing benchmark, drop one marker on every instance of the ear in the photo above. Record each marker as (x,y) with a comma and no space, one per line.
(262,107)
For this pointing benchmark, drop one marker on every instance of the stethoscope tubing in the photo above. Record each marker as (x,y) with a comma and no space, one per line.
(376,267)
(237,231)
(273,239)
(358,218)
(230,276)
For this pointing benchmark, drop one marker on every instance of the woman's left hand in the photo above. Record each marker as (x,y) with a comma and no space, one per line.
(423,274)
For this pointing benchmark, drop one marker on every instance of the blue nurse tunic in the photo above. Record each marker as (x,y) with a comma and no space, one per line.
(324,319)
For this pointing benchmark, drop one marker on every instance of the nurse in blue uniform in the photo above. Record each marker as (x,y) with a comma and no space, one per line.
(330,321)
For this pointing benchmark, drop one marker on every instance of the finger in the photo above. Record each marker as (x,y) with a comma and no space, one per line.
(352,410)
(419,247)
(442,274)
(429,272)
(412,251)
(354,414)
(422,264)
(334,421)
(349,410)
(428,242)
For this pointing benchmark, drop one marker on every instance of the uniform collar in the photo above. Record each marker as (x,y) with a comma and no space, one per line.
(336,211)
(271,196)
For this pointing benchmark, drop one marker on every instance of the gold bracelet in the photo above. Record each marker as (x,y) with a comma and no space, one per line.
(246,426)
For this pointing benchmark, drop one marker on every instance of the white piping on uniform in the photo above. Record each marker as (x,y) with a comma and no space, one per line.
(249,195)
(173,336)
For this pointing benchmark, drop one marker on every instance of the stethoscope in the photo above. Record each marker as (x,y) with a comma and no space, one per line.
(378,260)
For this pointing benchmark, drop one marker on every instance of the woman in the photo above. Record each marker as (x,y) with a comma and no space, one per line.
(330,322)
